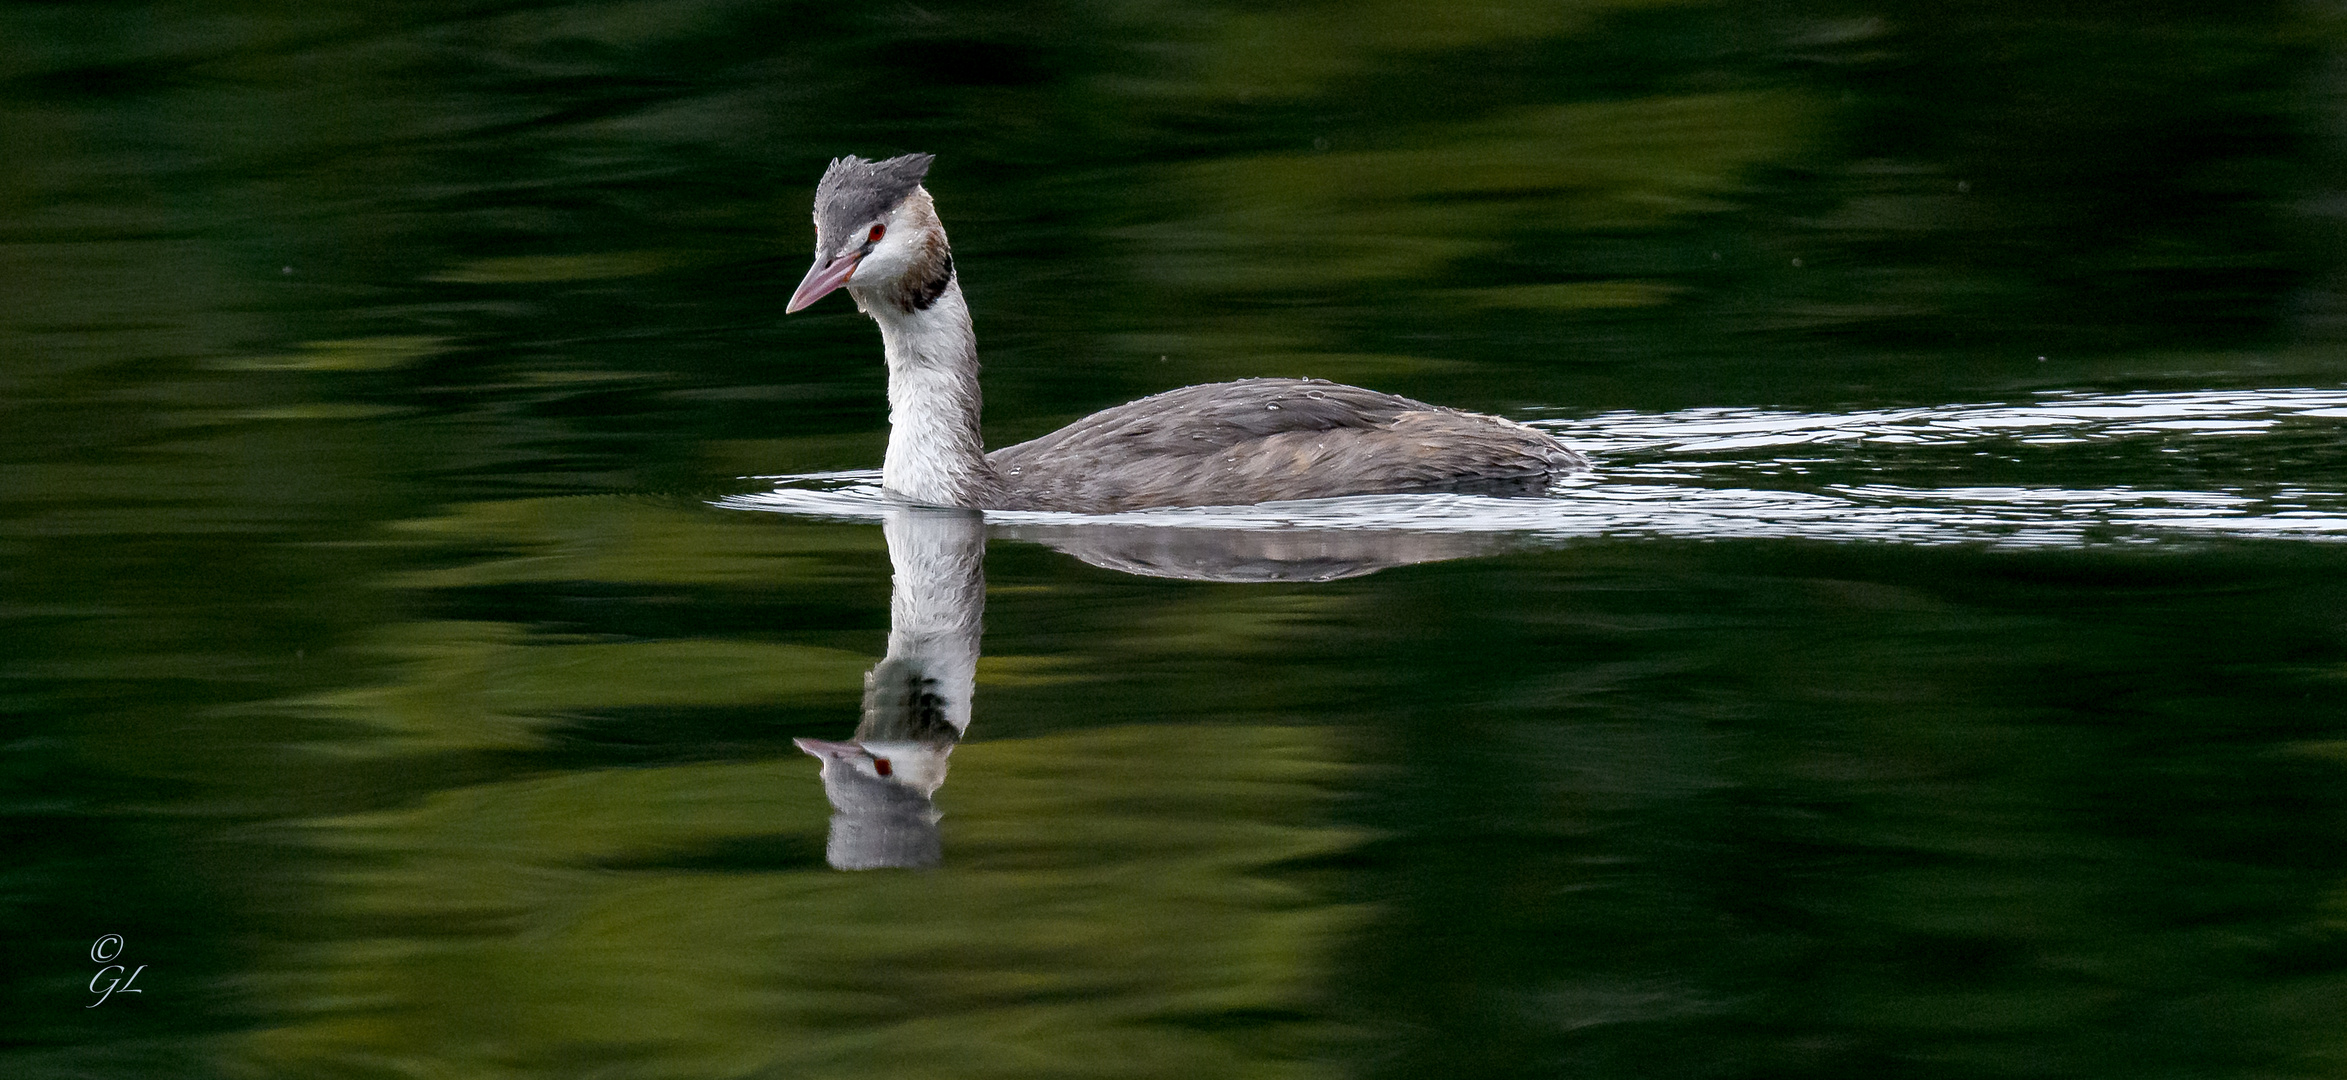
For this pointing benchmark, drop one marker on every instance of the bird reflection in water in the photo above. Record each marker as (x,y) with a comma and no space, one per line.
(882,782)
(916,701)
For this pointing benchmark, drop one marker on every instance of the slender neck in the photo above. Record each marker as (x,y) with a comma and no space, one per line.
(935,455)
(921,691)
(917,699)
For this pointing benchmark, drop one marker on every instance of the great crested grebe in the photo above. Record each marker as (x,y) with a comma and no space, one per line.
(1219,444)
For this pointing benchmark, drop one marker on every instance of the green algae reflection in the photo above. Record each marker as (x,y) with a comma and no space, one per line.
(1123,900)
(1106,910)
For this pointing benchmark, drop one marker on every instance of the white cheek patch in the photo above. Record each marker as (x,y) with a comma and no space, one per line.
(890,258)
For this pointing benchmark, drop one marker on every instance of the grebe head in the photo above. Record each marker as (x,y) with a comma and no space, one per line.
(875,228)
(881,819)
(907,763)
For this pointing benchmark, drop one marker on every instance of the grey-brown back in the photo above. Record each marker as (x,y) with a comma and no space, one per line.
(1260,440)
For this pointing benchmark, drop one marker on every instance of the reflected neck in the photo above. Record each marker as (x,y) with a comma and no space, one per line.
(935,454)
(920,693)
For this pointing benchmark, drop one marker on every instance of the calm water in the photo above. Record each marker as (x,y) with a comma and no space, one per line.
(425,539)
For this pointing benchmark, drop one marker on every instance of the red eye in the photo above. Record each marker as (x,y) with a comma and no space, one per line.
(877,232)
(880,764)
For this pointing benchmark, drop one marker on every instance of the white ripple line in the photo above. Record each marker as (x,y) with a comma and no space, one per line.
(2026,516)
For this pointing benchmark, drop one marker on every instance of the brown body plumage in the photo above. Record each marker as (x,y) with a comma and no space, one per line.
(1260,440)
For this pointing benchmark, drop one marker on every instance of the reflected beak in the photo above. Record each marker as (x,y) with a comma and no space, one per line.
(822,279)
(823,748)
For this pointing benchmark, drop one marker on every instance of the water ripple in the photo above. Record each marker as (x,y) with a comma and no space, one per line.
(2063,416)
(2196,465)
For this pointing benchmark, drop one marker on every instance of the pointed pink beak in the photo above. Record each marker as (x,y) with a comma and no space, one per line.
(822,747)
(822,279)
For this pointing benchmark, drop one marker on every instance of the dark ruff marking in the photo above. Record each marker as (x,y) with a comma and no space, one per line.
(927,280)
(903,705)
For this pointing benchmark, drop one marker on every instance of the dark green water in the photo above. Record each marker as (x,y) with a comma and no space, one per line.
(1944,674)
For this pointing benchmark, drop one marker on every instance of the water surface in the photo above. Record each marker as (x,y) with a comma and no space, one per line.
(425,540)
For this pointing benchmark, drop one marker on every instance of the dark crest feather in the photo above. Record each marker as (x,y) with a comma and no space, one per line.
(854,192)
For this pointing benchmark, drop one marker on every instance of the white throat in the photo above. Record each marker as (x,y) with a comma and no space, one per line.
(935,455)
(937,600)
(917,699)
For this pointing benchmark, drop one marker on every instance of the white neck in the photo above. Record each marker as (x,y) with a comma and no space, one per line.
(935,455)
(931,670)
(937,600)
